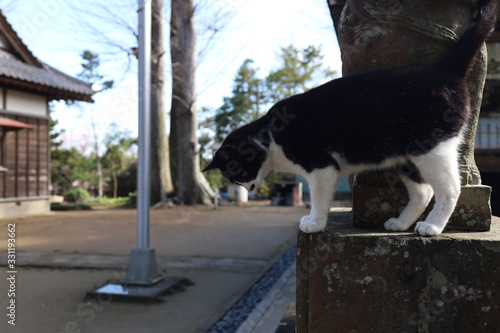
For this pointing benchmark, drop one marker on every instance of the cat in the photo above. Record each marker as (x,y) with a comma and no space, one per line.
(410,118)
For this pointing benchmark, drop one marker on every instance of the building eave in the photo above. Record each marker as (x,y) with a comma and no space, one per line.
(20,69)
(50,92)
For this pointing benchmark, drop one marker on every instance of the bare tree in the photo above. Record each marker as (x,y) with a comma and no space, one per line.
(118,34)
(184,115)
(111,27)
(90,73)
(100,180)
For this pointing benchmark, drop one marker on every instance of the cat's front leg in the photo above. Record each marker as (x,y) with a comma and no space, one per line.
(322,183)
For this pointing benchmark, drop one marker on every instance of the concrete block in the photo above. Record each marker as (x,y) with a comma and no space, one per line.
(373,205)
(359,280)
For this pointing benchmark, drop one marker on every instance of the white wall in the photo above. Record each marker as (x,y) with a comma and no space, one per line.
(26,103)
(1,98)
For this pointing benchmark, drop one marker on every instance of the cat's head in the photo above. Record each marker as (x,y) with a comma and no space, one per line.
(242,162)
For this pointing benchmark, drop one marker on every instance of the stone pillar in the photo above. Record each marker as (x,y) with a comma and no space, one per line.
(380,34)
(335,7)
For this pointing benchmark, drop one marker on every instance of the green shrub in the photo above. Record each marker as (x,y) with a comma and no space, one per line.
(132,198)
(77,194)
(108,202)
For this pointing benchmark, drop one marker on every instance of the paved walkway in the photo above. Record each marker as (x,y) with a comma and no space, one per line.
(61,256)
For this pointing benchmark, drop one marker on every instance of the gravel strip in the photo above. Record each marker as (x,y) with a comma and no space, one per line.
(237,314)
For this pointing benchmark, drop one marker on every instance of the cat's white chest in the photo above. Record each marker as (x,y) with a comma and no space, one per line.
(281,163)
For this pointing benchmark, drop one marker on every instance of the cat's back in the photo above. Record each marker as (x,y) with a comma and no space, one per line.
(373,96)
(390,108)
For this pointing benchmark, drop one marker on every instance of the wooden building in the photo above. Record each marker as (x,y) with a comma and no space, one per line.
(27,85)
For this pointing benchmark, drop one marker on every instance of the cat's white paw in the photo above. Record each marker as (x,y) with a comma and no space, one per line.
(427,229)
(394,224)
(309,225)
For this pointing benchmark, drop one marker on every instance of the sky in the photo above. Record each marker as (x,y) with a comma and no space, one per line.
(58,31)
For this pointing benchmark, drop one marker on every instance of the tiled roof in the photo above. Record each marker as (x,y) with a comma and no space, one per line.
(22,68)
(12,67)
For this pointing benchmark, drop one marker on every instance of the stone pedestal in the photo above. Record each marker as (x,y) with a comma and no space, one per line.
(357,280)
(375,204)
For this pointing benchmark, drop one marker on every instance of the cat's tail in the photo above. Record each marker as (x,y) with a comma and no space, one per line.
(461,58)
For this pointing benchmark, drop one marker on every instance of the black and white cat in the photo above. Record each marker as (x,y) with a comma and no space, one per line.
(410,118)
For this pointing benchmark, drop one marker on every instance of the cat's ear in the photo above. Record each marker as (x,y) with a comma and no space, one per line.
(212,165)
(224,153)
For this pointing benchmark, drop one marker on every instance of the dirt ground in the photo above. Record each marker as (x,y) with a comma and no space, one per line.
(172,230)
(50,299)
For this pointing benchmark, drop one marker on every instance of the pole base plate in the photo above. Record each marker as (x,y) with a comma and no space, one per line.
(119,290)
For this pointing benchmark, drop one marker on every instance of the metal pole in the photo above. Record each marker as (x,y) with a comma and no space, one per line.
(143,169)
(142,268)
(142,279)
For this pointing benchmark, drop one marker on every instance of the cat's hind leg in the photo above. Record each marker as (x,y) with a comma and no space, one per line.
(420,194)
(322,183)
(439,168)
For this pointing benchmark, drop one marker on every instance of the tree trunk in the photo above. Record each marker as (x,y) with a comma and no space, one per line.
(115,183)
(184,115)
(161,179)
(100,181)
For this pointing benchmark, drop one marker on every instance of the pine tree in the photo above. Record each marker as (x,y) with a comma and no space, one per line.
(246,103)
(299,71)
